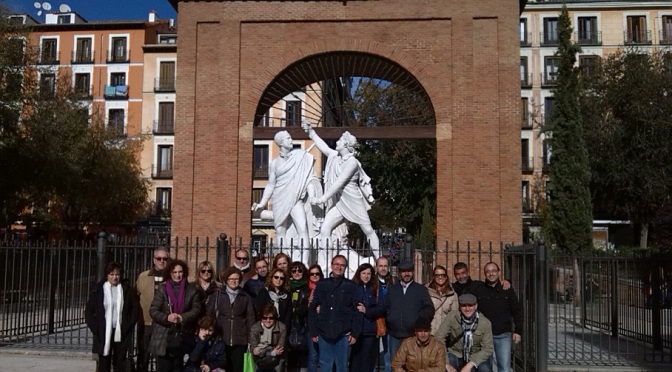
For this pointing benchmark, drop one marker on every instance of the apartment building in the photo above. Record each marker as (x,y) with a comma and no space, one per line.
(600,28)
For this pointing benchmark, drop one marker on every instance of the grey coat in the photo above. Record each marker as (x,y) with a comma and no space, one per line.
(160,309)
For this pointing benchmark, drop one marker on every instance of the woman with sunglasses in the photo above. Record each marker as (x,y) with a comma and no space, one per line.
(298,285)
(315,274)
(370,302)
(443,296)
(267,341)
(205,280)
(276,293)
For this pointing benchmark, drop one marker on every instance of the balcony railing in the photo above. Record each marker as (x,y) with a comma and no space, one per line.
(83,92)
(164,127)
(119,56)
(637,37)
(162,171)
(526,81)
(549,79)
(526,121)
(82,57)
(527,165)
(163,84)
(549,39)
(52,58)
(525,39)
(588,38)
(665,38)
(260,173)
(117,126)
(527,205)
(116,92)
(545,164)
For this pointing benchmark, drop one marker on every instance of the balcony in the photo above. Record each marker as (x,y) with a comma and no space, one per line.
(119,56)
(50,58)
(549,79)
(526,121)
(665,38)
(116,92)
(162,172)
(82,57)
(527,205)
(527,165)
(588,38)
(545,164)
(117,126)
(526,81)
(525,39)
(632,37)
(164,127)
(163,84)
(260,173)
(549,39)
(83,92)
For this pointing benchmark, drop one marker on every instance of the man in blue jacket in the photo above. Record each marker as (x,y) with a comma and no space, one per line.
(333,319)
(406,302)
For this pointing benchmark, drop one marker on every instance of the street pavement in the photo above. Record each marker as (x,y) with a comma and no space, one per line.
(25,360)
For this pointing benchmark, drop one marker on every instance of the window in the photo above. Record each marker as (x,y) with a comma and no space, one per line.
(525,80)
(636,31)
(16,20)
(16,52)
(525,113)
(116,121)
(117,79)
(588,65)
(82,83)
(166,122)
(548,108)
(666,30)
(293,113)
(548,190)
(164,167)
(164,196)
(525,155)
(546,156)
(48,52)
(551,66)
(257,194)
(260,162)
(64,19)
(47,85)
(527,202)
(119,52)
(524,36)
(83,54)
(12,83)
(166,81)
(167,39)
(550,36)
(587,33)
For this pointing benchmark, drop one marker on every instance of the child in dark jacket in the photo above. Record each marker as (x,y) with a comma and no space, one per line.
(209,353)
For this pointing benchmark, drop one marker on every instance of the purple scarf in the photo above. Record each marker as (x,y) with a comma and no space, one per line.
(176,302)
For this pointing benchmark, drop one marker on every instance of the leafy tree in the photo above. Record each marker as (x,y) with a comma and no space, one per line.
(628,107)
(570,210)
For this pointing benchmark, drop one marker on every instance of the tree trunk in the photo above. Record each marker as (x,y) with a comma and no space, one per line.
(644,235)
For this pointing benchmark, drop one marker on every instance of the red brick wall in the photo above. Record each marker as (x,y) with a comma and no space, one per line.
(464,54)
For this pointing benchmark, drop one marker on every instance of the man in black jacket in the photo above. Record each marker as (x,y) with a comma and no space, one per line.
(406,302)
(502,308)
(333,319)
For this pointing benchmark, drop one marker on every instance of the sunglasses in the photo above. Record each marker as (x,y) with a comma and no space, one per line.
(242,258)
(440,275)
(267,318)
(297,270)
(161,258)
(278,277)
(206,271)
(314,274)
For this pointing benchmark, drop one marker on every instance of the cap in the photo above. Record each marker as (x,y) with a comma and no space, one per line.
(405,265)
(467,298)
(423,324)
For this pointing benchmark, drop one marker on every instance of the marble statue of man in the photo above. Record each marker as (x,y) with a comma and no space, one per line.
(288,188)
(347,189)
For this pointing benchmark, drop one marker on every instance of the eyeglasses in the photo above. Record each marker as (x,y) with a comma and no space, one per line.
(314,274)
(242,258)
(161,258)
(206,271)
(297,270)
(278,277)
(440,275)
(493,271)
(267,318)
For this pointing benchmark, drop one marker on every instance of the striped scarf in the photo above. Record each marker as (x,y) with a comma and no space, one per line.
(468,328)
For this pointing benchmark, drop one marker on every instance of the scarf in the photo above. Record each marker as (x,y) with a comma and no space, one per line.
(108,305)
(276,297)
(266,338)
(176,302)
(242,268)
(232,294)
(295,284)
(468,328)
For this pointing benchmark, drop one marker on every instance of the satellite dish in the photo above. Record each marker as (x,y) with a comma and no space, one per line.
(64,8)
(46,6)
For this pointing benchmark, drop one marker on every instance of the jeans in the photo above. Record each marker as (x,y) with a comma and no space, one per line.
(313,354)
(385,353)
(333,352)
(502,344)
(363,355)
(393,344)
(458,363)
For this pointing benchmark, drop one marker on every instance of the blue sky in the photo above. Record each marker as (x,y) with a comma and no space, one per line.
(94,10)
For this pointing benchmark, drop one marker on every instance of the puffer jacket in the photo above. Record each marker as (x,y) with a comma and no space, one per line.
(235,319)
(443,304)
(160,309)
(412,357)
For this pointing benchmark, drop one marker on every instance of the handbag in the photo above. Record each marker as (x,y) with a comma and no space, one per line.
(267,362)
(248,361)
(380,327)
(174,338)
(297,337)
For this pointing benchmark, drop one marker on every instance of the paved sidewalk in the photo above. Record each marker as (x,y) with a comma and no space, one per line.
(20,360)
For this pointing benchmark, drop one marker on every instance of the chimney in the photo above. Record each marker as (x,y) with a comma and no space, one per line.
(152,16)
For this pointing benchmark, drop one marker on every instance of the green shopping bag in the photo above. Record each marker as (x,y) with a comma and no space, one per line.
(248,362)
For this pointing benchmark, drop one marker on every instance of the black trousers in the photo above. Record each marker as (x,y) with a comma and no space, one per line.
(117,357)
(144,336)
(234,357)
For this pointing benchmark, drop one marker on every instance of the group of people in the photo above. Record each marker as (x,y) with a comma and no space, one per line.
(291,317)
